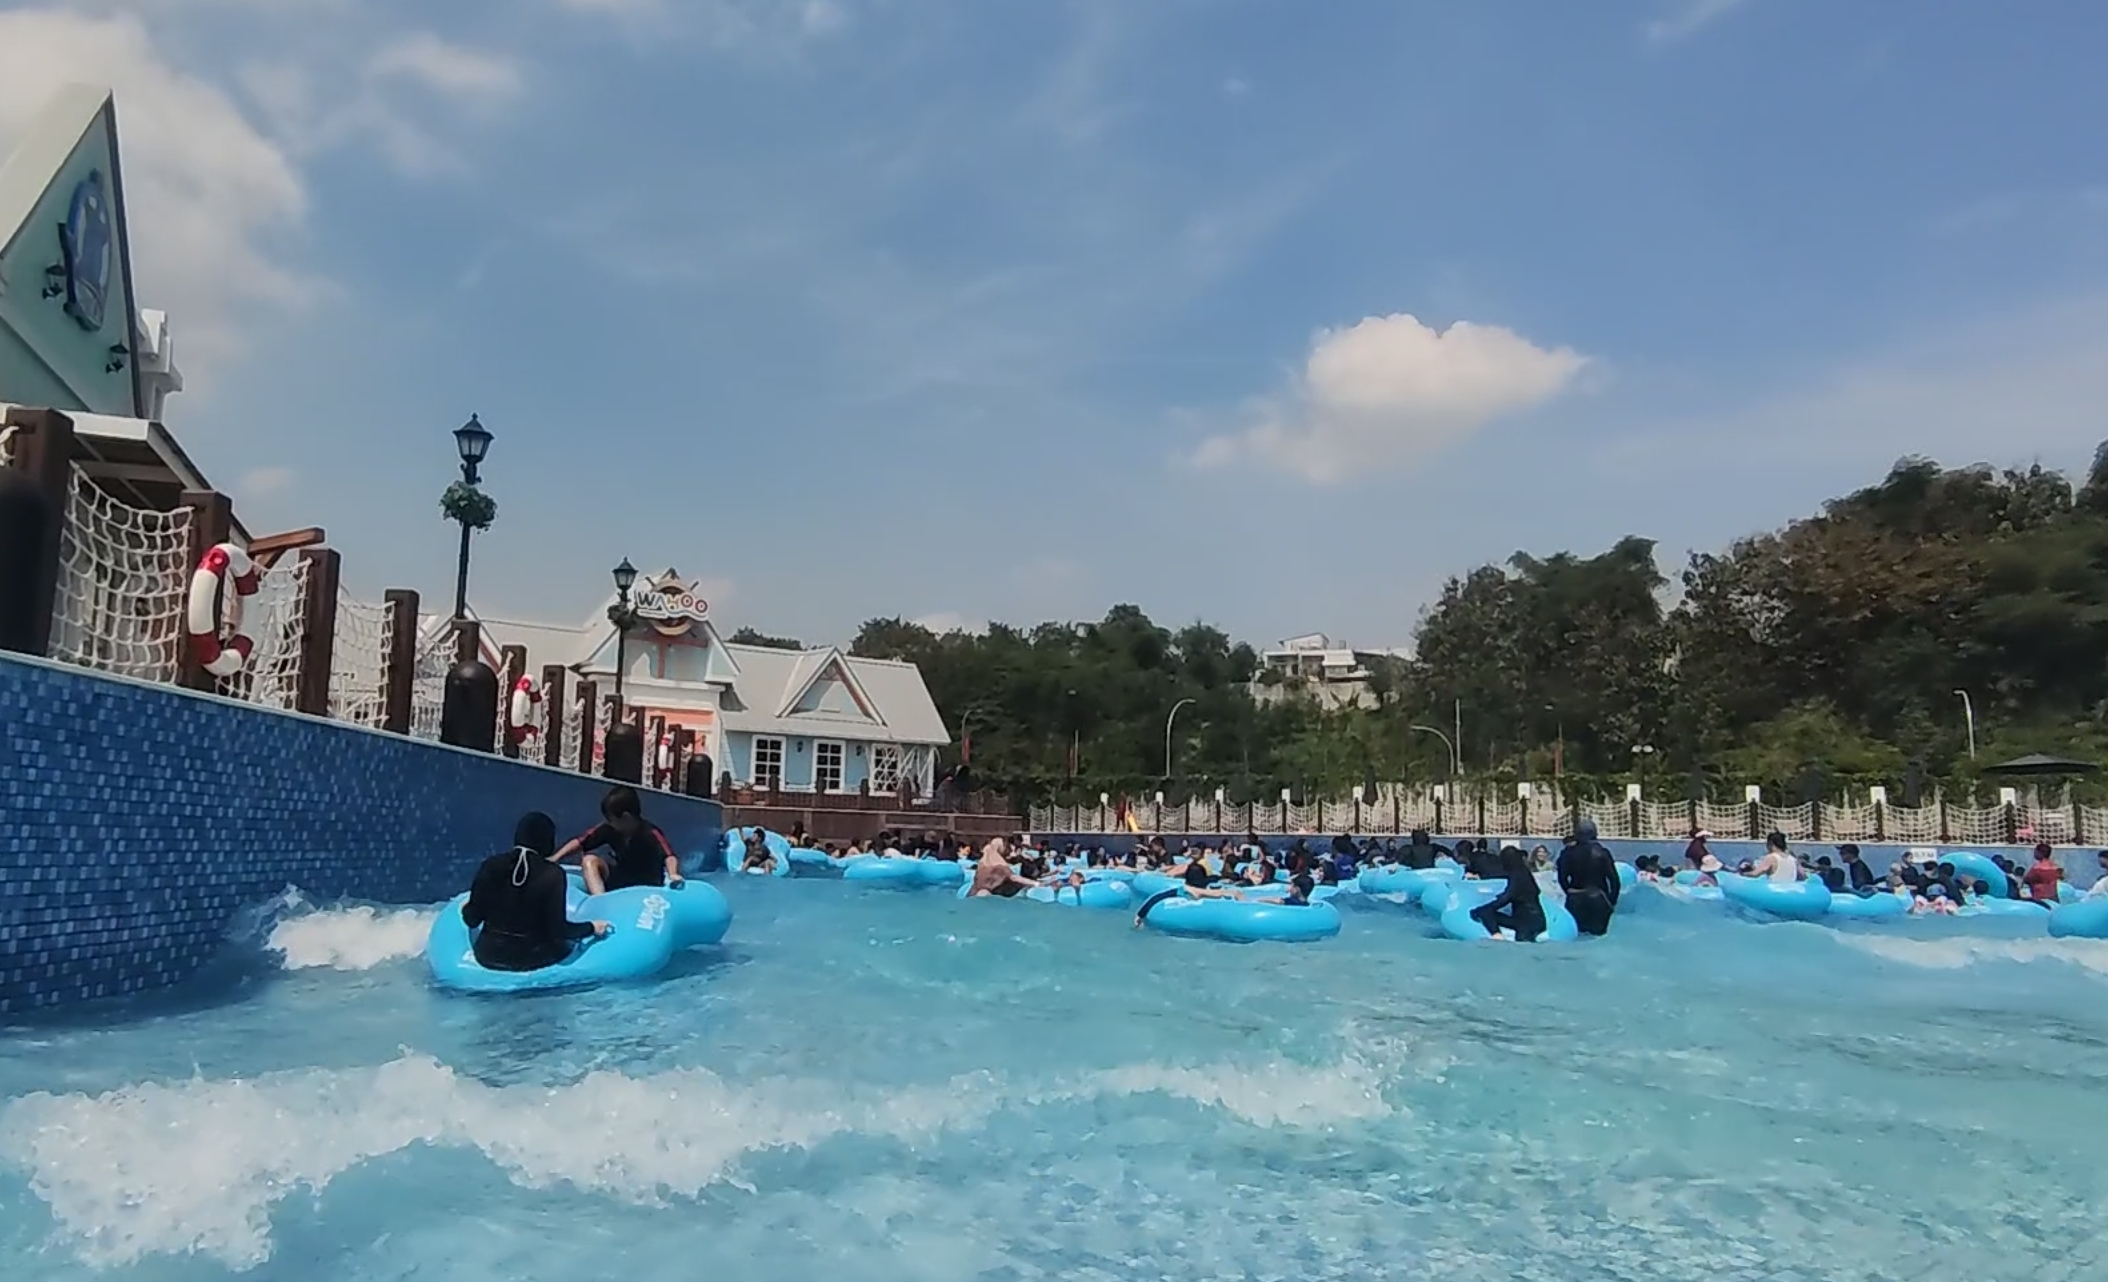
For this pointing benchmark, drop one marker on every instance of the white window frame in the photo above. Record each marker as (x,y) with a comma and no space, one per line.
(782,749)
(879,751)
(841,764)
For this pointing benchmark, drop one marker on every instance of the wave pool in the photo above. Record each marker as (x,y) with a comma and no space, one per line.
(872,1085)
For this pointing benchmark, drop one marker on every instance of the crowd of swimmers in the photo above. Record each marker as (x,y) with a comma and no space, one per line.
(516,904)
(1935,885)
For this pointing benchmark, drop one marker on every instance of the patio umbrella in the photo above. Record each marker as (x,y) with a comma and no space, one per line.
(2036,765)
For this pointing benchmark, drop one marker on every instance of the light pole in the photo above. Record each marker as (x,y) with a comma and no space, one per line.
(1455,766)
(624,618)
(472,442)
(1167,735)
(1969,715)
(1642,753)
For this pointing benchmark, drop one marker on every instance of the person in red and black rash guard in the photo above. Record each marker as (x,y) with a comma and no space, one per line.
(638,853)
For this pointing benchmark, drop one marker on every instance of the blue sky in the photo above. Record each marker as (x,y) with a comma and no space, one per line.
(1274,314)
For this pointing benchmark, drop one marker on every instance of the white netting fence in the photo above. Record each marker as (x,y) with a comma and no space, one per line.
(358,662)
(574,723)
(1911,825)
(274,621)
(603,717)
(435,655)
(1723,818)
(1974,827)
(123,578)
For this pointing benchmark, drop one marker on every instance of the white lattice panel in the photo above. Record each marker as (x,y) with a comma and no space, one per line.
(435,655)
(1848,823)
(274,621)
(2052,824)
(358,662)
(1912,825)
(1976,827)
(123,582)
(1724,819)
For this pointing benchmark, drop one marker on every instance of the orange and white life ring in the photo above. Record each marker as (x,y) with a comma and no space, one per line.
(519,714)
(212,615)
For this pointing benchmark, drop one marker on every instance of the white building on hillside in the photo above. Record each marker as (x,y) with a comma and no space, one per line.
(1333,672)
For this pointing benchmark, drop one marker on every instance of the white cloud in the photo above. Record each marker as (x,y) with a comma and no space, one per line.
(464,75)
(1392,389)
(265,482)
(207,193)
(943,621)
(1685,17)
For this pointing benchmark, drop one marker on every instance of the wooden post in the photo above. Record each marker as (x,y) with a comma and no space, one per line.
(318,629)
(211,524)
(399,671)
(653,732)
(515,667)
(553,707)
(588,724)
(683,748)
(42,453)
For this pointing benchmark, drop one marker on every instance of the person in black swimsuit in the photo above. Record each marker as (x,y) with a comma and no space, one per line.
(1589,878)
(1520,907)
(516,904)
(638,853)
(1199,884)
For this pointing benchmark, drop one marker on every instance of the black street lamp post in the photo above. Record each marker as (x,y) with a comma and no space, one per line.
(472,440)
(624,617)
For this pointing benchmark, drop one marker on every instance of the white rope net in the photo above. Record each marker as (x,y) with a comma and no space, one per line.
(603,717)
(574,720)
(123,578)
(435,655)
(274,621)
(1545,815)
(358,663)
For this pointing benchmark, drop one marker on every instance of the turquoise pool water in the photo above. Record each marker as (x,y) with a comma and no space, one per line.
(893,1085)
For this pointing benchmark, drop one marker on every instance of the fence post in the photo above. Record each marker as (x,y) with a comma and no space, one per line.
(1881,819)
(1756,820)
(1691,815)
(553,706)
(1479,807)
(588,724)
(318,629)
(211,524)
(1441,801)
(399,672)
(1945,832)
(2012,822)
(514,661)
(42,457)
(1632,818)
(654,733)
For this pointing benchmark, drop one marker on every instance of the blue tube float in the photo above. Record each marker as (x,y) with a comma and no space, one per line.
(1628,876)
(1409,882)
(735,849)
(2086,919)
(1879,906)
(647,925)
(1091,894)
(1239,921)
(1458,923)
(1802,901)
(1977,867)
(898,870)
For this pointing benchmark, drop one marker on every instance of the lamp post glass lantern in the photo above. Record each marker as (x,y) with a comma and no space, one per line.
(472,443)
(624,618)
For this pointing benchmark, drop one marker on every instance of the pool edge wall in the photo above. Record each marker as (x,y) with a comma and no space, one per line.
(136,820)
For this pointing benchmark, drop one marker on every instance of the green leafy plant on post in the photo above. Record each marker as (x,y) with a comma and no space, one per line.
(466,505)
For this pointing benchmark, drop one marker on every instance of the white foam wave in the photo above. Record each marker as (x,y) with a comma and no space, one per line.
(196,1167)
(1956,954)
(355,938)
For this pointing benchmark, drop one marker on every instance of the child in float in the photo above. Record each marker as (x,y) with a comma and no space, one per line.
(1298,895)
(758,857)
(516,904)
(638,853)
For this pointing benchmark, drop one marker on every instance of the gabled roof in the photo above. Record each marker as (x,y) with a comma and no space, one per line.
(821,663)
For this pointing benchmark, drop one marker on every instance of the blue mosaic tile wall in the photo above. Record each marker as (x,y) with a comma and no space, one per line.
(135,820)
